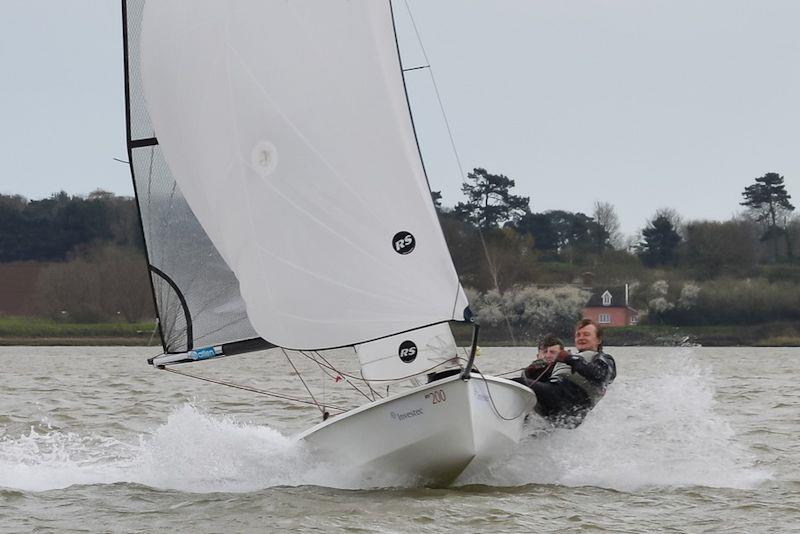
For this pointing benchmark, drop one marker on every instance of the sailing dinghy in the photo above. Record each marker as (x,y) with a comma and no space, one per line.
(284,204)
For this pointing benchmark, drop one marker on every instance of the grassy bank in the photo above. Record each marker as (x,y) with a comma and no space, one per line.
(36,331)
(777,334)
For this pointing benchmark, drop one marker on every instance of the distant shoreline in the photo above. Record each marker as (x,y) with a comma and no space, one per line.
(6,341)
(38,332)
(35,331)
(778,334)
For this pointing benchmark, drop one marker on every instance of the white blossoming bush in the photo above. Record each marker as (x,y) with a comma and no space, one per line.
(658,302)
(689,294)
(491,308)
(659,305)
(660,288)
(531,311)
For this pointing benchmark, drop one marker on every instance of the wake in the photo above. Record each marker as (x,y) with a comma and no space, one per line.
(192,451)
(661,430)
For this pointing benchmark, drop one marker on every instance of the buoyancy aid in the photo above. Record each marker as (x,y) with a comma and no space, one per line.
(601,370)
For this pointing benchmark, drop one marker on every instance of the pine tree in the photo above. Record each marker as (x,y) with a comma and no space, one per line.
(489,200)
(769,201)
(660,244)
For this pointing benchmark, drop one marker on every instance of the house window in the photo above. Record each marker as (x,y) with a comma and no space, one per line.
(607,299)
(634,319)
(604,318)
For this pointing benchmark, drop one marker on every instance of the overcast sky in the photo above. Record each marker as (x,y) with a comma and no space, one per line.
(643,104)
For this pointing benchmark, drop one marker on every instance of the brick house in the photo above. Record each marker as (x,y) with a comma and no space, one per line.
(609,306)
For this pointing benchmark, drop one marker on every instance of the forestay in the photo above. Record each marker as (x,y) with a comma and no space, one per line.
(286,127)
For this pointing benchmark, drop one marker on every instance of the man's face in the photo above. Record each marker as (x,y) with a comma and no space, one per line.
(549,354)
(586,338)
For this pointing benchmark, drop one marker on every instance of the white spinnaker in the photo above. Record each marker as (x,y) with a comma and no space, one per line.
(286,126)
(403,355)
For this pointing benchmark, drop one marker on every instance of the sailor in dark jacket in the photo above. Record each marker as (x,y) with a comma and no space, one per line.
(578,381)
(541,369)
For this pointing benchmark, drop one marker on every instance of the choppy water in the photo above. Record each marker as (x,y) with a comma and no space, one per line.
(687,440)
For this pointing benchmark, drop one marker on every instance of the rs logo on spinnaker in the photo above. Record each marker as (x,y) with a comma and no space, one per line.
(407,351)
(403,242)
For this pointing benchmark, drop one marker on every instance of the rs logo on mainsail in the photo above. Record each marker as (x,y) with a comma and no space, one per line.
(403,242)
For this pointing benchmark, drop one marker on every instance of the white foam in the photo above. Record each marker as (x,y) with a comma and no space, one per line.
(192,451)
(658,430)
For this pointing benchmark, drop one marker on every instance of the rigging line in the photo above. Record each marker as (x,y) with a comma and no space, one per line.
(547,368)
(332,368)
(339,375)
(494,406)
(466,354)
(435,87)
(374,393)
(361,377)
(343,375)
(511,372)
(246,388)
(323,391)
(323,368)
(153,333)
(492,268)
(301,380)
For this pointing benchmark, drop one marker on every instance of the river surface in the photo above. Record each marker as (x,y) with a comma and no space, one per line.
(686,440)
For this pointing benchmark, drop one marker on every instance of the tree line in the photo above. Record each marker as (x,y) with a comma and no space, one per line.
(87,254)
(522,245)
(61,226)
(680,272)
(740,271)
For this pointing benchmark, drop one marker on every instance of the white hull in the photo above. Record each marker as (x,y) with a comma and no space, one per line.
(433,434)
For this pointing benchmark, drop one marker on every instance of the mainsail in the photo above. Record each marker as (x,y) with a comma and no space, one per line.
(286,129)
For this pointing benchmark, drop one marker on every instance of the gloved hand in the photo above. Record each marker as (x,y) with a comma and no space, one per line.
(563,356)
(537,365)
(535,370)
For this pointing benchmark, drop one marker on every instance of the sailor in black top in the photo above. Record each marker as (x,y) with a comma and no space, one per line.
(577,381)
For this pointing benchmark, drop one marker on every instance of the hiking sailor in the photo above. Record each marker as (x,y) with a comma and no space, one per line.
(577,381)
(541,369)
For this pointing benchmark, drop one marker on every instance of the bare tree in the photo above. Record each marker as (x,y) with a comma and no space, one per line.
(606,216)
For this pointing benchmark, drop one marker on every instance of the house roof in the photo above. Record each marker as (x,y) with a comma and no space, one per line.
(617,294)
